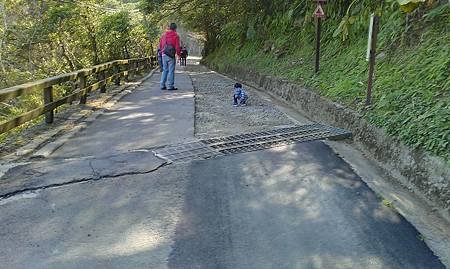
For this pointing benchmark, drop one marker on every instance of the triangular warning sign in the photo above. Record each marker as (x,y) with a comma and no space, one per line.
(319,12)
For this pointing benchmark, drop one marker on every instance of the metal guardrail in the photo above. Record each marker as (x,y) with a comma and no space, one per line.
(116,70)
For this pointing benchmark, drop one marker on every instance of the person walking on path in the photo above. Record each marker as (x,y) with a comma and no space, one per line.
(169,44)
(184,55)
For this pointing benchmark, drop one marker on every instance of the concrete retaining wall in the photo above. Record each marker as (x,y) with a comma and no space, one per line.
(427,175)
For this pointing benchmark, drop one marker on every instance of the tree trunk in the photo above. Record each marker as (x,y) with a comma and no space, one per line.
(93,41)
(94,46)
(66,56)
(127,53)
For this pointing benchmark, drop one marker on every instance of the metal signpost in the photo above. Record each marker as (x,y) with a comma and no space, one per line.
(318,14)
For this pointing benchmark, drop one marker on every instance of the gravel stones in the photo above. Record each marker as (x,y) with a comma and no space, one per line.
(215,114)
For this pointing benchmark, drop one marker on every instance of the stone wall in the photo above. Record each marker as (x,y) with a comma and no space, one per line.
(427,175)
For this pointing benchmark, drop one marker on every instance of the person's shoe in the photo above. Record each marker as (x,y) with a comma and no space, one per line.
(172,89)
(244,104)
(235,105)
(163,89)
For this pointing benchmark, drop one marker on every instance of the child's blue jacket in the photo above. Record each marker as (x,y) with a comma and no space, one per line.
(239,92)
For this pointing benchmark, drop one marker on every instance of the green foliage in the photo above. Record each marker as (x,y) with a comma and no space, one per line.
(232,32)
(39,39)
(411,98)
(114,31)
(43,38)
(408,6)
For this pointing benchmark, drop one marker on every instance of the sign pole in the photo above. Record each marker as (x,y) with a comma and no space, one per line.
(318,14)
(318,20)
(372,57)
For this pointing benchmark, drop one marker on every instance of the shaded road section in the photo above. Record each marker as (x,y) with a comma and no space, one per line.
(299,206)
(146,118)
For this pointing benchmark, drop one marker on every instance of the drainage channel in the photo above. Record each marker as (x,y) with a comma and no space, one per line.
(214,147)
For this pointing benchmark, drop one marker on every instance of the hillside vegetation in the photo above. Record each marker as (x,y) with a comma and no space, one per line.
(411,98)
(39,39)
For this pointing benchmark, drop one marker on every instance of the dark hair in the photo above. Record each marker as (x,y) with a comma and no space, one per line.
(238,85)
(173,26)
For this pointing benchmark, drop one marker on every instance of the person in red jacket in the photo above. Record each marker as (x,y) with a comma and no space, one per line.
(170,46)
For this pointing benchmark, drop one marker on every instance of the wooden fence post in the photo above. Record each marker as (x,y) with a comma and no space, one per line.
(130,72)
(135,69)
(48,98)
(127,68)
(372,58)
(82,85)
(138,66)
(103,77)
(74,88)
(117,71)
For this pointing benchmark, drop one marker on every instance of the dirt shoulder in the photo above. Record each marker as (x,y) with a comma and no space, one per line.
(215,114)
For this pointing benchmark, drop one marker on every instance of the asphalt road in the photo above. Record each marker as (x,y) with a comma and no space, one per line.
(144,119)
(299,206)
(293,207)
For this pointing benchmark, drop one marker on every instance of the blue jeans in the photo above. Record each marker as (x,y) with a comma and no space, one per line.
(160,62)
(168,73)
(241,100)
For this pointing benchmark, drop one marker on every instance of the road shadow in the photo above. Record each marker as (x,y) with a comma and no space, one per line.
(145,118)
(299,206)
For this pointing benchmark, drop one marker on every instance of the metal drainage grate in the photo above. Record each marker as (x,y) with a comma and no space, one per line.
(274,138)
(188,151)
(210,148)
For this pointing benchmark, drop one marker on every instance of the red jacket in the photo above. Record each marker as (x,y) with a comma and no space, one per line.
(172,38)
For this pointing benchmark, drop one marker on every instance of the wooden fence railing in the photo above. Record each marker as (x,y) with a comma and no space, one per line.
(102,75)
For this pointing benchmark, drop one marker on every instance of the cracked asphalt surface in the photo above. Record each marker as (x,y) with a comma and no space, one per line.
(103,200)
(59,172)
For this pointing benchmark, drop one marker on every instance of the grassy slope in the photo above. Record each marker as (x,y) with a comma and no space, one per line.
(412,89)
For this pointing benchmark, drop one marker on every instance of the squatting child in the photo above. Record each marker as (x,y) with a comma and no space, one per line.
(240,96)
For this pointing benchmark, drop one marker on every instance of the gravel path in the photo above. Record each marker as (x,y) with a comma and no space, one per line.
(215,114)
